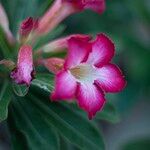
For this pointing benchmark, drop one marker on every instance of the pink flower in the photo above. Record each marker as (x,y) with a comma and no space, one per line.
(63,8)
(87,74)
(23,73)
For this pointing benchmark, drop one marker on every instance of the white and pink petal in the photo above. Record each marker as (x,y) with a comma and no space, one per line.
(90,98)
(78,50)
(65,86)
(110,78)
(102,51)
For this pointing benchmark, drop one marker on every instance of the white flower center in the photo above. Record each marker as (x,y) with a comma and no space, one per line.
(84,73)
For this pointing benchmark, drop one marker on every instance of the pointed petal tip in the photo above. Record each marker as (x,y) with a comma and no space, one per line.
(103,50)
(90,98)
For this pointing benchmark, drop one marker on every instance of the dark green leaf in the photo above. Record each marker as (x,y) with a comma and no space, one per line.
(5,97)
(29,127)
(73,126)
(4,47)
(143,144)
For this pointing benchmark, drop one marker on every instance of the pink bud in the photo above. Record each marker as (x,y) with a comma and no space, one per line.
(4,23)
(63,8)
(23,73)
(54,65)
(62,43)
(26,27)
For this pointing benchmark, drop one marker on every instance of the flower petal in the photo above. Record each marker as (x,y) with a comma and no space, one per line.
(102,50)
(90,98)
(23,73)
(62,43)
(65,86)
(95,5)
(4,23)
(78,50)
(110,78)
(26,26)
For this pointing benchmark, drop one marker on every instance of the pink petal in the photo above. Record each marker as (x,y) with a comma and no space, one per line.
(110,78)
(26,26)
(4,23)
(54,15)
(65,86)
(102,51)
(62,43)
(95,5)
(78,50)
(90,98)
(24,71)
(53,64)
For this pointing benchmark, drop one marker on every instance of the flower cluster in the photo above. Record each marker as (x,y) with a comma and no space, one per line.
(86,72)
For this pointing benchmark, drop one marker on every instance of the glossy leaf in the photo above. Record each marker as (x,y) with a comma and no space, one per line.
(20,90)
(44,82)
(30,128)
(73,126)
(5,97)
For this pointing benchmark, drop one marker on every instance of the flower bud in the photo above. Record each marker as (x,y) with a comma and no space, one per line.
(23,73)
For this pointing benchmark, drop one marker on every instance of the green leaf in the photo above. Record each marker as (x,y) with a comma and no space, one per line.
(5,97)
(19,89)
(109,113)
(29,127)
(44,82)
(141,144)
(70,124)
(4,47)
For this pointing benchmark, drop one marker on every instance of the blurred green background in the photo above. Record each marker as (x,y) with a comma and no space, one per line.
(127,22)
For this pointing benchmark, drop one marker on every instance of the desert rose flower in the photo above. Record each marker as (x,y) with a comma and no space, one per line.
(63,8)
(87,74)
(23,73)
